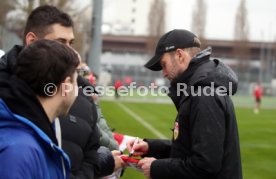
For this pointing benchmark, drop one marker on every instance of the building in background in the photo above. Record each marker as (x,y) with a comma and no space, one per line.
(126,17)
(126,31)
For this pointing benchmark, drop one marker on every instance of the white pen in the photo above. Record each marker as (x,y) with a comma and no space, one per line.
(136,141)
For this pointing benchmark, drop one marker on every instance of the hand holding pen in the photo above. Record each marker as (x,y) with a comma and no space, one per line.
(137,147)
(136,141)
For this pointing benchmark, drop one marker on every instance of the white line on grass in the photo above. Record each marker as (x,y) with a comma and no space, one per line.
(142,121)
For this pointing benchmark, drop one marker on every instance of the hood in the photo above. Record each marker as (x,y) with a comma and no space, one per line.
(217,73)
(21,100)
(8,61)
(205,72)
(11,120)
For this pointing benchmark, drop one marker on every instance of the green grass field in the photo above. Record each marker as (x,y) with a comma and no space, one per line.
(257,132)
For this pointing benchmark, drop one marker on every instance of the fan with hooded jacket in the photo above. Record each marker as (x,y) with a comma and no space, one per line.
(88,164)
(28,144)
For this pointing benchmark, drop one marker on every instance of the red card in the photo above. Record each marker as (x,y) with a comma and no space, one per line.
(128,159)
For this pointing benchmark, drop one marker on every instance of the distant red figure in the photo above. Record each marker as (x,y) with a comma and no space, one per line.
(117,85)
(258,93)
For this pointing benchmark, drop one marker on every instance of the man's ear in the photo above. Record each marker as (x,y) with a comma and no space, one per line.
(181,55)
(30,38)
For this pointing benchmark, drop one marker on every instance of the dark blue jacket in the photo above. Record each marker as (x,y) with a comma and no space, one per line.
(26,151)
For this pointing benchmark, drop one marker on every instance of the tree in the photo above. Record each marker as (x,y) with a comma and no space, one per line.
(199,21)
(5,7)
(241,45)
(16,15)
(241,27)
(156,24)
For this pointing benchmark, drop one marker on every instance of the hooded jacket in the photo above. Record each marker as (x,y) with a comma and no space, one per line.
(28,146)
(86,162)
(8,62)
(205,143)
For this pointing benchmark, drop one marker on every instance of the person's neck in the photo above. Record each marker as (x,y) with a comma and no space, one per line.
(50,107)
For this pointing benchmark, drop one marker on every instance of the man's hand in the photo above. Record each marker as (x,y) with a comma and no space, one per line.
(119,163)
(145,165)
(139,147)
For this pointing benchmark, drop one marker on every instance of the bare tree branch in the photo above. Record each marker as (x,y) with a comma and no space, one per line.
(241,28)
(199,18)
(241,48)
(199,21)
(18,11)
(156,24)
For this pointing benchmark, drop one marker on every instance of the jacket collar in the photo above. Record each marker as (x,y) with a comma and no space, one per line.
(22,101)
(13,120)
(184,78)
(19,97)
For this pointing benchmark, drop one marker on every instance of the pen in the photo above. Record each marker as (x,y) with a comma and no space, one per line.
(136,141)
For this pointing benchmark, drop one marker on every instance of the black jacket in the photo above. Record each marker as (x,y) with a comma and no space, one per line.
(81,140)
(205,142)
(8,62)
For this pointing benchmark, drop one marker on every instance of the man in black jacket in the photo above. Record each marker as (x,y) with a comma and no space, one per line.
(47,22)
(205,141)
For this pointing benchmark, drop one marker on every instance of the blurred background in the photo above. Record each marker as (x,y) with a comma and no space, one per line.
(117,37)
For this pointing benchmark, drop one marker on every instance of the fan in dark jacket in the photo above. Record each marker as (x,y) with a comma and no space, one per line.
(205,143)
(80,138)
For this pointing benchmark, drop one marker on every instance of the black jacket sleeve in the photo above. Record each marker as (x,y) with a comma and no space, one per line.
(158,148)
(106,161)
(86,171)
(207,130)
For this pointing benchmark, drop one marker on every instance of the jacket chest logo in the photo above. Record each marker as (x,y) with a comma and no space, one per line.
(176,130)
